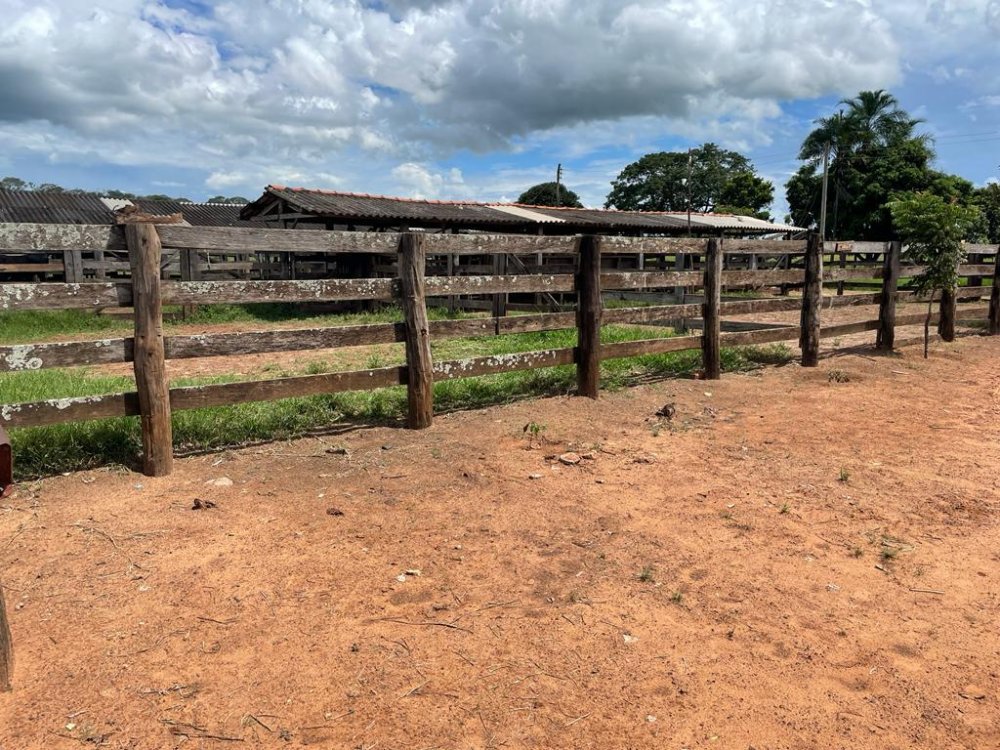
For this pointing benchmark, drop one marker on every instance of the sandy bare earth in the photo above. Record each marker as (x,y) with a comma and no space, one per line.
(787,562)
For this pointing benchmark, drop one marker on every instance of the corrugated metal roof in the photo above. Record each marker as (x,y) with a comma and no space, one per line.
(29,206)
(197,214)
(362,208)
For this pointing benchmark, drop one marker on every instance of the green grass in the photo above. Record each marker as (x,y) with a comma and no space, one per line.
(47,450)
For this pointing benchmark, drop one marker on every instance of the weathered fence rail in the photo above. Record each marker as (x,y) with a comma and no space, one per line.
(153,401)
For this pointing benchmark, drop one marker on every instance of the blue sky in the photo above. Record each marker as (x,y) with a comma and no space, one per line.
(475,99)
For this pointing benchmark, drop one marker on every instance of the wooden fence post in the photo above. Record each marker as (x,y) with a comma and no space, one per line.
(6,648)
(190,271)
(144,252)
(588,317)
(995,298)
(420,372)
(711,353)
(885,339)
(812,297)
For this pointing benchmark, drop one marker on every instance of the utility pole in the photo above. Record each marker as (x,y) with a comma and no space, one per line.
(558,182)
(687,184)
(822,208)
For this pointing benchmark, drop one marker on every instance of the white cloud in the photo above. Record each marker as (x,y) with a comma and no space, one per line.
(257,89)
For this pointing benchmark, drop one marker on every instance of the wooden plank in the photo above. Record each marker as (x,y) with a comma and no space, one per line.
(622,349)
(31,267)
(59,237)
(72,265)
(499,363)
(76,409)
(197,397)
(711,348)
(885,339)
(588,317)
(442,286)
(50,296)
(311,290)
(812,297)
(994,313)
(420,371)
(763,336)
(149,361)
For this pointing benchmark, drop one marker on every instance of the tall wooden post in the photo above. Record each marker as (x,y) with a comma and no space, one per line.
(144,252)
(73,266)
(995,298)
(190,271)
(842,257)
(588,317)
(420,372)
(6,649)
(946,322)
(885,339)
(812,297)
(711,352)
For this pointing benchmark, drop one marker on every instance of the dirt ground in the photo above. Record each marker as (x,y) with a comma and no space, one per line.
(796,559)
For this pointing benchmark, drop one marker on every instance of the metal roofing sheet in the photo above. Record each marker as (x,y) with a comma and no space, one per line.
(358,207)
(29,206)
(197,214)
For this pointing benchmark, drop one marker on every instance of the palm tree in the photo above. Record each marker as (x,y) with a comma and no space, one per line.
(865,123)
(877,119)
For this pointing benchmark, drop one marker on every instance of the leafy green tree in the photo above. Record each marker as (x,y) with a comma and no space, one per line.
(718,177)
(933,229)
(746,193)
(987,199)
(14,183)
(875,154)
(544,194)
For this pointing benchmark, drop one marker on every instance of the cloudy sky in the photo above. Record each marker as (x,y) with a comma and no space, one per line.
(467,98)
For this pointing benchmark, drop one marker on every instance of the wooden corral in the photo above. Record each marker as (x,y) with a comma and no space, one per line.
(594,276)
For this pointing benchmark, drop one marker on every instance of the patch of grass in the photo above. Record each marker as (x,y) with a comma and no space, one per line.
(646,574)
(857,552)
(677,597)
(784,509)
(845,475)
(838,376)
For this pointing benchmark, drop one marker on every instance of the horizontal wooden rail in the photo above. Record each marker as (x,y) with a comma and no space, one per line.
(19,357)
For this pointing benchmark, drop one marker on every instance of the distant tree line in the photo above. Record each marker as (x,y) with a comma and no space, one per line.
(17,184)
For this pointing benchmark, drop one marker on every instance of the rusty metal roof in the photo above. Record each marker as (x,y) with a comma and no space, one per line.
(33,207)
(196,214)
(365,209)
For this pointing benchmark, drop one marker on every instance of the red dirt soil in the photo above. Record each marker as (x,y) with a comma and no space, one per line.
(790,561)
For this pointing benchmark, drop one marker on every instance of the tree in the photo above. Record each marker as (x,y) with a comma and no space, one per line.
(14,183)
(746,193)
(718,177)
(933,229)
(544,194)
(987,199)
(875,155)
(224,199)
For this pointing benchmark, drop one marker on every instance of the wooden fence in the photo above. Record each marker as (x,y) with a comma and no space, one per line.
(153,401)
